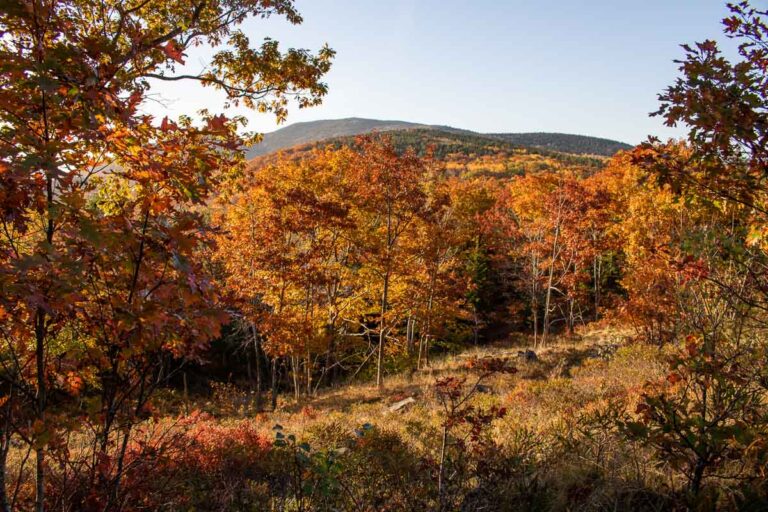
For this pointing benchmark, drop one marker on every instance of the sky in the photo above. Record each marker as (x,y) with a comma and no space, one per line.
(590,67)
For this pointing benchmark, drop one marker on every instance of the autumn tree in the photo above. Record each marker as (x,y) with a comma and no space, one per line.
(287,252)
(724,104)
(715,388)
(390,200)
(438,281)
(97,200)
(306,255)
(472,202)
(541,221)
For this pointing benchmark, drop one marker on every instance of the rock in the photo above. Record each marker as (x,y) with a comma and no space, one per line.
(528,356)
(401,404)
(481,388)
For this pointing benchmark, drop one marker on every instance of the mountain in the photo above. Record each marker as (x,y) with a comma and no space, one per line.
(462,153)
(314,131)
(565,142)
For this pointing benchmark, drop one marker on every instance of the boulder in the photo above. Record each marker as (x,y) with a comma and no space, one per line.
(401,404)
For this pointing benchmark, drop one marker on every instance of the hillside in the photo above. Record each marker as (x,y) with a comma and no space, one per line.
(314,131)
(464,153)
(533,439)
(565,142)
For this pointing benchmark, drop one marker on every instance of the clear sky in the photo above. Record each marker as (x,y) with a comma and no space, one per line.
(591,67)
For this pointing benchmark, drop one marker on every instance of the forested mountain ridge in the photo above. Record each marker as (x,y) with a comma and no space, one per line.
(463,153)
(315,131)
(565,142)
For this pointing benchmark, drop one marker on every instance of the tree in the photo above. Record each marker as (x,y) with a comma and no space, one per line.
(472,202)
(390,199)
(548,231)
(97,198)
(724,104)
(454,396)
(286,250)
(438,284)
(708,416)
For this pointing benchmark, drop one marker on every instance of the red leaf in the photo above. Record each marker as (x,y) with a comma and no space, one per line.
(172,51)
(218,123)
(168,125)
(135,98)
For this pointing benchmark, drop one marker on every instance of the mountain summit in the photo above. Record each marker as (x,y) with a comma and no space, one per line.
(315,131)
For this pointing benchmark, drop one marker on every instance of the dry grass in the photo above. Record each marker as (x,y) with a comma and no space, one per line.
(569,376)
(555,447)
(555,407)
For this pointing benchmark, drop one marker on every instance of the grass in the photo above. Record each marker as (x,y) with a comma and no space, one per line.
(555,407)
(568,375)
(555,448)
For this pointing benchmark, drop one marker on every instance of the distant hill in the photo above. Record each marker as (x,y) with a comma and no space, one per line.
(463,153)
(565,142)
(306,133)
(313,131)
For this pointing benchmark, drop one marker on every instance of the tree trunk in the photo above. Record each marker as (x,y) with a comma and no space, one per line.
(41,404)
(428,321)
(382,332)
(421,348)
(550,279)
(5,506)
(274,383)
(698,477)
(409,335)
(384,300)
(597,277)
(40,314)
(295,372)
(441,469)
(257,357)
(330,354)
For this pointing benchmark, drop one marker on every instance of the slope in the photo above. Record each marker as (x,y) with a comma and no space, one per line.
(314,131)
(463,153)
